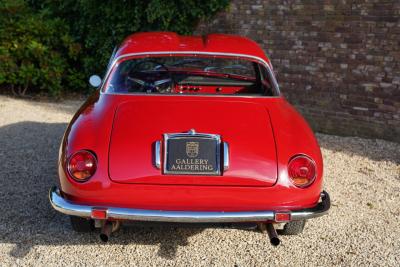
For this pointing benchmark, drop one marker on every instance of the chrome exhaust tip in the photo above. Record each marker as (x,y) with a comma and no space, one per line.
(106,231)
(273,235)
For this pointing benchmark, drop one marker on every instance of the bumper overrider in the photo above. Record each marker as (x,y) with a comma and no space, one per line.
(68,207)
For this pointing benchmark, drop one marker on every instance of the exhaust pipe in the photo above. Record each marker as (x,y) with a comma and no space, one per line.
(273,235)
(108,228)
(106,231)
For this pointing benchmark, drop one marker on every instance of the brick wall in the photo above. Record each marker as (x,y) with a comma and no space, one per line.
(338,62)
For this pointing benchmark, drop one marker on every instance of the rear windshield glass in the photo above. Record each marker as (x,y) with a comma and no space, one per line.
(189,75)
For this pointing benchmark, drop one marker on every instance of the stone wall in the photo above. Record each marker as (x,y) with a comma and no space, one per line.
(337,61)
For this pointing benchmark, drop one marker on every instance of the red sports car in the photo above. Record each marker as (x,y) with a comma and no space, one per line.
(189,130)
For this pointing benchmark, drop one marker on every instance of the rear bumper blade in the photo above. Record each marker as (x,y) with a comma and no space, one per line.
(68,207)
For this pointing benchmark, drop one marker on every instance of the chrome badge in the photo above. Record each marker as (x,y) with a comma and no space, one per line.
(192,149)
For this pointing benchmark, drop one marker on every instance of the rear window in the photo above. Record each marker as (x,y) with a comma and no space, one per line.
(189,75)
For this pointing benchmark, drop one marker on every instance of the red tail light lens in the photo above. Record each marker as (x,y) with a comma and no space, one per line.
(302,171)
(82,165)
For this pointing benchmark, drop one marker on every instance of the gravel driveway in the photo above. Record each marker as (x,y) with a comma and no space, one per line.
(362,177)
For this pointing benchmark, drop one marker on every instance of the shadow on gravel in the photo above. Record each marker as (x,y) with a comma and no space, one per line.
(28,156)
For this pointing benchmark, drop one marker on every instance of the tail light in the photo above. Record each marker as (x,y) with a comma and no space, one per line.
(82,165)
(302,171)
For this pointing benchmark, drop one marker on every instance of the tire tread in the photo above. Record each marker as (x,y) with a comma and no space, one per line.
(81,225)
(293,227)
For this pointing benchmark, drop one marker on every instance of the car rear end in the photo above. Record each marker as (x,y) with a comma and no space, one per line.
(173,143)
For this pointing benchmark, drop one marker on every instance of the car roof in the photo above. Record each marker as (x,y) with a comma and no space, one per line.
(151,42)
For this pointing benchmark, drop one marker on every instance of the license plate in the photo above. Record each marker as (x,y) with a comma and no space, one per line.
(195,154)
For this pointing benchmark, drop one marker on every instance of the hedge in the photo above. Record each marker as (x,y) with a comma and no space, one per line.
(53,46)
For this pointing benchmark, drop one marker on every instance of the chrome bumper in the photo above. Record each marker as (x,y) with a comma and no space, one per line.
(67,207)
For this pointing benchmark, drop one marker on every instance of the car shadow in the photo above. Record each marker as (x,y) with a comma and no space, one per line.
(28,156)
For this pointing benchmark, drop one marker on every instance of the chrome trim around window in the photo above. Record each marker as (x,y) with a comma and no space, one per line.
(70,208)
(262,61)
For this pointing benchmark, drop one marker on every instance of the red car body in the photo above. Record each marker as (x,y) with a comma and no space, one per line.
(264,134)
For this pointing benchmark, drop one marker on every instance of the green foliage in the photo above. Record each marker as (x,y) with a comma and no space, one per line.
(35,51)
(51,45)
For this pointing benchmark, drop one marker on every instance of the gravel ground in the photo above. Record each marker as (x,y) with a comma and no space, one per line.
(362,177)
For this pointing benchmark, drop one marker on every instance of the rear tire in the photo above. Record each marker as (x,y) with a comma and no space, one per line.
(81,225)
(293,227)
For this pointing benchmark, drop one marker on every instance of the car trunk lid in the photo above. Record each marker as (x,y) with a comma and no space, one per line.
(244,125)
